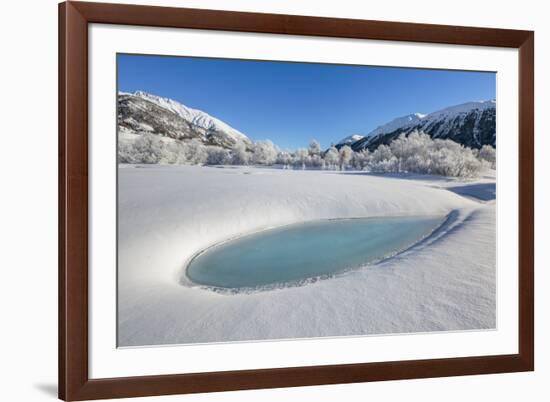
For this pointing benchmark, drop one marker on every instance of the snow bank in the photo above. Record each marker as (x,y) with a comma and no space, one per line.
(166,214)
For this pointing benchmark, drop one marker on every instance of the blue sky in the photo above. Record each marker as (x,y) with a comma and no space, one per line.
(292,103)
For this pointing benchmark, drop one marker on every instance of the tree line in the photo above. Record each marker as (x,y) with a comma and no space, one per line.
(413,153)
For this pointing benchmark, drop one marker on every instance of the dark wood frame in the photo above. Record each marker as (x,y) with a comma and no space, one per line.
(74,383)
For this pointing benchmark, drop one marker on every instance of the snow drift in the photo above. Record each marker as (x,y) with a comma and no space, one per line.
(168,213)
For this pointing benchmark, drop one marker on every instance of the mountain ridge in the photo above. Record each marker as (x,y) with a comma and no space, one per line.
(472,124)
(140,112)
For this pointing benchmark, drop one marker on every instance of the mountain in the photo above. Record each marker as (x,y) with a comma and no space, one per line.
(141,112)
(398,123)
(349,140)
(471,124)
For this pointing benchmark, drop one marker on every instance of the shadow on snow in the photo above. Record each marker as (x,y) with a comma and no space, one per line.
(481,191)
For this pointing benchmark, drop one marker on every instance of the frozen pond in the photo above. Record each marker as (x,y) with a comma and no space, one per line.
(299,252)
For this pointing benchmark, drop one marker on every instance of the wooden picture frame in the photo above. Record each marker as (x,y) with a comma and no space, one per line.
(74,381)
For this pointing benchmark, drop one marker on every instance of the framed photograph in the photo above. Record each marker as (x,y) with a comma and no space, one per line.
(259,200)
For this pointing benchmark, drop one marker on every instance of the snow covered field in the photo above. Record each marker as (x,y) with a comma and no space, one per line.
(168,213)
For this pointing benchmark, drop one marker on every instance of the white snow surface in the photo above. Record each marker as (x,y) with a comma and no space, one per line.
(168,213)
(195,116)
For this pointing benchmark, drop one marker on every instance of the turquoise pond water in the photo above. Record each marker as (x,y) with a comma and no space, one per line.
(308,250)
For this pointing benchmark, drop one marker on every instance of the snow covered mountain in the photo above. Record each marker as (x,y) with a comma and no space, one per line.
(141,112)
(398,123)
(472,124)
(349,140)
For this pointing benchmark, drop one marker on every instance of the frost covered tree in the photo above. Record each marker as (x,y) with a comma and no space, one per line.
(382,160)
(315,161)
(125,152)
(217,156)
(284,158)
(408,153)
(419,153)
(360,159)
(411,152)
(466,164)
(332,158)
(489,154)
(196,152)
(264,153)
(147,148)
(345,155)
(174,152)
(314,148)
(452,159)
(239,156)
(301,158)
